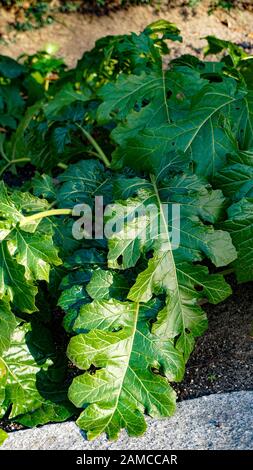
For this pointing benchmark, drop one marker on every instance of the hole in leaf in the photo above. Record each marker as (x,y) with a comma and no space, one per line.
(168,94)
(213,78)
(136,107)
(187,331)
(176,340)
(144,103)
(73,371)
(149,254)
(116,329)
(120,260)
(114,112)
(198,288)
(92,370)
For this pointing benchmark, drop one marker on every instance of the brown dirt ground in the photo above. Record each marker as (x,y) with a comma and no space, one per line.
(75,32)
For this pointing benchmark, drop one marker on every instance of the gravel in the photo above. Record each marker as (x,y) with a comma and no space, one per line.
(220,421)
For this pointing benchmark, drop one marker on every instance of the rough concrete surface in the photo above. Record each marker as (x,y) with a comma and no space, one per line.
(220,421)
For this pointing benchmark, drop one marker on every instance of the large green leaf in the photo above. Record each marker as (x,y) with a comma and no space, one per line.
(8,209)
(189,134)
(66,96)
(134,92)
(106,284)
(124,351)
(10,68)
(149,99)
(124,358)
(13,282)
(242,121)
(36,252)
(43,185)
(181,318)
(147,102)
(14,208)
(47,413)
(197,239)
(26,250)
(82,182)
(82,267)
(236,178)
(162,114)
(29,382)
(70,300)
(170,270)
(211,146)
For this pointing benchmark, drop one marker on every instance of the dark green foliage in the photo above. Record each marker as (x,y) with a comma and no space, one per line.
(123,126)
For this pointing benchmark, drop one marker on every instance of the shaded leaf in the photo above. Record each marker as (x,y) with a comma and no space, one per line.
(107,284)
(13,282)
(82,182)
(28,383)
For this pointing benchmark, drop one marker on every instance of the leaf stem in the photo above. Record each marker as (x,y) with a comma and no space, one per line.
(42,215)
(3,152)
(52,204)
(225,272)
(101,155)
(63,166)
(12,162)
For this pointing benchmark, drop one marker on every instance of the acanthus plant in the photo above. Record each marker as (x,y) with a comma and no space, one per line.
(124,126)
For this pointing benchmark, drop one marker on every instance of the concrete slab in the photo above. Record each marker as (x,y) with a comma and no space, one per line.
(220,421)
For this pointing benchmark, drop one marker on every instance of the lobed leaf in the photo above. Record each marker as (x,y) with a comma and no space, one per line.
(28,385)
(124,353)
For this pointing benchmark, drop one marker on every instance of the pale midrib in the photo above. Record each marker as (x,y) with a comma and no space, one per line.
(146,338)
(213,148)
(32,250)
(248,112)
(152,177)
(137,90)
(127,364)
(12,374)
(164,96)
(206,119)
